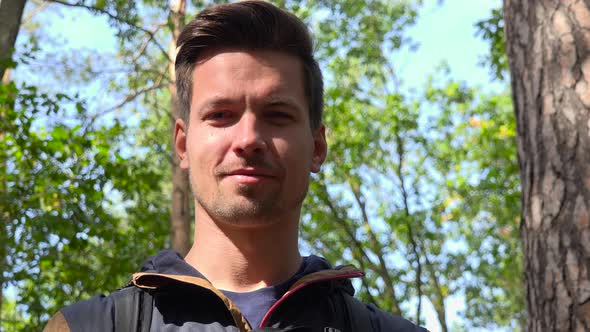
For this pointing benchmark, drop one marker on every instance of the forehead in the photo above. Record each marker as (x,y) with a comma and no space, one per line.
(261,72)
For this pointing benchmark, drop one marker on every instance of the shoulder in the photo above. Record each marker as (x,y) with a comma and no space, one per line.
(384,321)
(368,317)
(57,323)
(94,314)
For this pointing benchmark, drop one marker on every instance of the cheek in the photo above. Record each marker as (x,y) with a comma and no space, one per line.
(295,154)
(207,147)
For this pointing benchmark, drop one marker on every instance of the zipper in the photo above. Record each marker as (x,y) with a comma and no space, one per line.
(290,292)
(239,319)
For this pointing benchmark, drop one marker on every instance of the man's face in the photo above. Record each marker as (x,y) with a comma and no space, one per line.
(249,147)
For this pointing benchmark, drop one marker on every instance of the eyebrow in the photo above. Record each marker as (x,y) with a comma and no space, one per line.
(218,102)
(271,100)
(277,100)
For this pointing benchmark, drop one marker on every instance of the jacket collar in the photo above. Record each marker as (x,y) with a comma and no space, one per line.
(168,268)
(153,281)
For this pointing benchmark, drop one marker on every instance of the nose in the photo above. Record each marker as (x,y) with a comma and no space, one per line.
(249,138)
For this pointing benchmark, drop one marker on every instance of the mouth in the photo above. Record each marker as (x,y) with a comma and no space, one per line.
(250,175)
(251,172)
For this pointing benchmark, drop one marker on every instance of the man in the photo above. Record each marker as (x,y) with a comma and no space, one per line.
(251,94)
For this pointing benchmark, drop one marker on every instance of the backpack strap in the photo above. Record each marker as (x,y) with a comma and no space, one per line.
(358,313)
(133,309)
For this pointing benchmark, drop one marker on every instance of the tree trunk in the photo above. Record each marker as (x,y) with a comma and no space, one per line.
(548,45)
(11,13)
(180,214)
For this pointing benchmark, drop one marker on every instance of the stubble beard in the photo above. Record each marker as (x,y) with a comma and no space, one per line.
(247,206)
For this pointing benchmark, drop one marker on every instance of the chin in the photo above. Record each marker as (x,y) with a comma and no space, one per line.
(246,212)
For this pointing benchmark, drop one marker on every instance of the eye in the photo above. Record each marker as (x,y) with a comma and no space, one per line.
(279,114)
(279,117)
(219,118)
(218,115)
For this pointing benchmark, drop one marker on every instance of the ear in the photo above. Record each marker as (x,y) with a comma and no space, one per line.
(180,135)
(320,148)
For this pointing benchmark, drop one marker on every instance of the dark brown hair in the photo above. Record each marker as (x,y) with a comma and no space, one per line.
(248,25)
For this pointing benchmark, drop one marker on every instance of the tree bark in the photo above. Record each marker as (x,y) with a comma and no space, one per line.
(548,46)
(180,210)
(11,13)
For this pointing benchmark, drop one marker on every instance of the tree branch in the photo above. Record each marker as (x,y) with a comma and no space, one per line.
(383,270)
(118,19)
(399,170)
(35,11)
(143,47)
(11,13)
(359,252)
(439,304)
(129,98)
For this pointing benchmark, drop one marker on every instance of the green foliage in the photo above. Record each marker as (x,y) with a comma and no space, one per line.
(419,193)
(492,30)
(62,240)
(479,172)
(13,320)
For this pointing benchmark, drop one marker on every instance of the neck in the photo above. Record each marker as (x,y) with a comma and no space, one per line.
(242,259)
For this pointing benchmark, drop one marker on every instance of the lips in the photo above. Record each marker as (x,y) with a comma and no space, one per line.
(247,176)
(252,172)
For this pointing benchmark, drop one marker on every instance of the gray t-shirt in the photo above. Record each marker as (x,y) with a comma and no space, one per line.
(255,304)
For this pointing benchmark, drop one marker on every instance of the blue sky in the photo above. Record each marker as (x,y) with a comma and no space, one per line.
(446,32)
